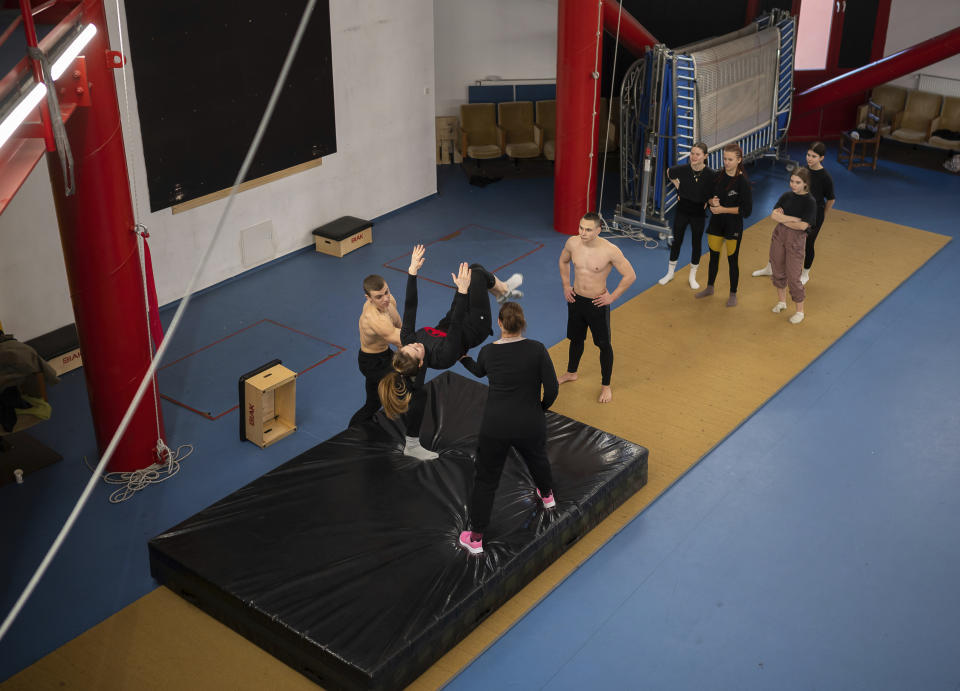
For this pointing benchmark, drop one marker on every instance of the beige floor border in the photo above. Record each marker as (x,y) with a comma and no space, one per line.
(687,373)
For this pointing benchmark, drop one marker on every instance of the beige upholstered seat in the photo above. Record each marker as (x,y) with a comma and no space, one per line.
(949,119)
(545,128)
(478,131)
(891,98)
(913,124)
(516,129)
(608,137)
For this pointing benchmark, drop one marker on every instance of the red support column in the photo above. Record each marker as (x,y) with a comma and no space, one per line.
(103,265)
(577,54)
(578,98)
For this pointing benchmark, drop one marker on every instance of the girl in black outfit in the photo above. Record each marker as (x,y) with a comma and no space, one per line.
(821,187)
(466,324)
(694,182)
(732,202)
(514,416)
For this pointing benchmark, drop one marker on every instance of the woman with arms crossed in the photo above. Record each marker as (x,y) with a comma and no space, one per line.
(795,213)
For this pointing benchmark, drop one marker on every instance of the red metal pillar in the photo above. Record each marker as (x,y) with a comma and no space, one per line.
(577,58)
(103,265)
(857,81)
(578,98)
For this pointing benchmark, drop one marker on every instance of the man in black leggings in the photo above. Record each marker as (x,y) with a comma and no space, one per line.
(588,302)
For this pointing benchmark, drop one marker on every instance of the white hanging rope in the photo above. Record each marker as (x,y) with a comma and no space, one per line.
(613,79)
(161,351)
(593,103)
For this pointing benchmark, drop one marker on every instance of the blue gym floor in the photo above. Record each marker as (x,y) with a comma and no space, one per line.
(813,548)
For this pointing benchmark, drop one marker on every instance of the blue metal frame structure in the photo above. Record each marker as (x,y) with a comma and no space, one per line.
(659,111)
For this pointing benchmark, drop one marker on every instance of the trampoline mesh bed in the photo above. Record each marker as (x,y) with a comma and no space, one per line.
(344,562)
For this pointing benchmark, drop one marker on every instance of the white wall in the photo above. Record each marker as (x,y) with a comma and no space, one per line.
(475,39)
(912,22)
(383,71)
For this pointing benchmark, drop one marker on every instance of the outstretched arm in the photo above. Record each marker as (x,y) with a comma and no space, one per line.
(409,325)
(548,378)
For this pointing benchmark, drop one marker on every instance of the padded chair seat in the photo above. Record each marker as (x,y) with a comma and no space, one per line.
(942,143)
(483,151)
(907,135)
(523,150)
(550,150)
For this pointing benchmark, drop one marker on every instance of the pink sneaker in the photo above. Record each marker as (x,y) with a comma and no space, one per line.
(548,501)
(472,546)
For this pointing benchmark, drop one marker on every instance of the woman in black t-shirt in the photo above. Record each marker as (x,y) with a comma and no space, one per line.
(518,368)
(694,183)
(821,187)
(795,214)
(731,202)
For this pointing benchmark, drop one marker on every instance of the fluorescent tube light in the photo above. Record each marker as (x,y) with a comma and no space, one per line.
(72,51)
(20,112)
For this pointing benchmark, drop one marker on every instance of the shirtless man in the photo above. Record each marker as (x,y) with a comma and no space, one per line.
(589,301)
(379,329)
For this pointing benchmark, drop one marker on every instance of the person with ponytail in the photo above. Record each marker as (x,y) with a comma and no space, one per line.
(518,370)
(466,324)
(731,203)
(694,183)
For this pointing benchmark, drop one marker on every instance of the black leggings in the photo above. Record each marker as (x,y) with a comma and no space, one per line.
(812,238)
(373,367)
(581,314)
(491,457)
(733,259)
(680,222)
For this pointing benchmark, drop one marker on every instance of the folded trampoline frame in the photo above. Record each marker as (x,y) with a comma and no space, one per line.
(660,116)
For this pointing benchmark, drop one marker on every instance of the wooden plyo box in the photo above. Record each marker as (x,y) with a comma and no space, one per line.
(270,405)
(344,235)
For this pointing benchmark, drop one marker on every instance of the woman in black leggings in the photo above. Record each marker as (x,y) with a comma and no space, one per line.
(518,368)
(466,324)
(694,183)
(731,203)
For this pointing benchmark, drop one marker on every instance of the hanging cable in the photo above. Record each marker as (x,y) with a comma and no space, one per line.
(613,79)
(174,324)
(64,153)
(593,103)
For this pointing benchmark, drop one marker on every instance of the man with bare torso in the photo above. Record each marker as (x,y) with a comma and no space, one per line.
(379,329)
(588,300)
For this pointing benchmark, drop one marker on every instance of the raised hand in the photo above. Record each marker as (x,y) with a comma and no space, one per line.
(416,259)
(462,279)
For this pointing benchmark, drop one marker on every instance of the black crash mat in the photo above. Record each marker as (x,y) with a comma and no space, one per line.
(344,562)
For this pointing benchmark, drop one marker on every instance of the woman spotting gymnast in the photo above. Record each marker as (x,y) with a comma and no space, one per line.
(514,416)
(795,214)
(694,182)
(732,202)
(466,324)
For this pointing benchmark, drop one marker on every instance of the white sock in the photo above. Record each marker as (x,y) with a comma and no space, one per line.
(514,282)
(671,267)
(779,307)
(765,271)
(413,448)
(693,276)
(796,318)
(804,277)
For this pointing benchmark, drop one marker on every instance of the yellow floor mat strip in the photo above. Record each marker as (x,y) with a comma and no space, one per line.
(687,373)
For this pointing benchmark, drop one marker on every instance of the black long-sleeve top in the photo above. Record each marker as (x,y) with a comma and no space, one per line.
(440,352)
(732,192)
(695,188)
(516,370)
(821,187)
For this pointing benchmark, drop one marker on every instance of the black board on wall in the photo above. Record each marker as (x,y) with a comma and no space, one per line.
(204,72)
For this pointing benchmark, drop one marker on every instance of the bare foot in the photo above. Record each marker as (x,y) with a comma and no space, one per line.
(605,394)
(567,376)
